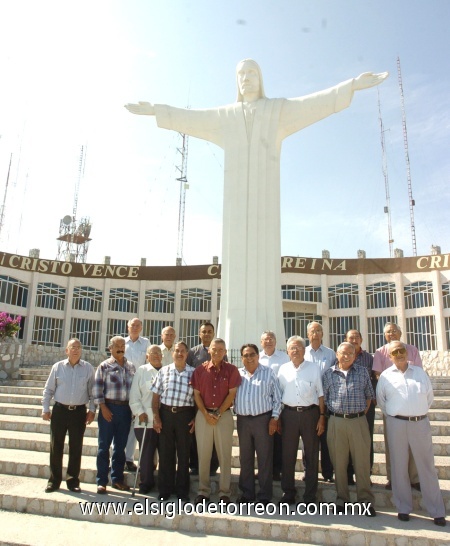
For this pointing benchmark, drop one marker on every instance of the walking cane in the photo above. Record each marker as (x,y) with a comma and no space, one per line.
(139,461)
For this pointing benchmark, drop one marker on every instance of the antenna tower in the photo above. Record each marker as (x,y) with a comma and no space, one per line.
(2,212)
(182,169)
(387,208)
(73,240)
(408,168)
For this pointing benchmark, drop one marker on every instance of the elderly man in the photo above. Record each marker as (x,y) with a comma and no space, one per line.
(112,385)
(215,384)
(168,336)
(273,358)
(405,395)
(258,406)
(197,356)
(363,358)
(141,407)
(173,418)
(303,416)
(348,394)
(324,357)
(70,384)
(135,352)
(381,362)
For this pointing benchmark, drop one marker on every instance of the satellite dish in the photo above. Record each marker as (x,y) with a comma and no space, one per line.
(67,220)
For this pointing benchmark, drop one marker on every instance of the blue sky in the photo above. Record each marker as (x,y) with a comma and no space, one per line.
(69,67)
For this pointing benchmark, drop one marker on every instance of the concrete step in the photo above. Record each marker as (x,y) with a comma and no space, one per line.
(36,466)
(23,390)
(22,494)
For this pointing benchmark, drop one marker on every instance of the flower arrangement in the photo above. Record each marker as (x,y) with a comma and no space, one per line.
(8,326)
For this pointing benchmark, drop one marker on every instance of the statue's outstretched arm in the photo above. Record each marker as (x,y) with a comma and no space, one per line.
(368,79)
(141,108)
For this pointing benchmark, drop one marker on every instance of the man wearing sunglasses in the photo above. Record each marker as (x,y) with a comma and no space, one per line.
(404,394)
(382,361)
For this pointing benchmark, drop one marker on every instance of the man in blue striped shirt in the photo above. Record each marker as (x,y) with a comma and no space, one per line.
(257,405)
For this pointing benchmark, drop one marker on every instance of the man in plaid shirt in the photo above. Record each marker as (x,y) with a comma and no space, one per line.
(348,394)
(173,418)
(111,391)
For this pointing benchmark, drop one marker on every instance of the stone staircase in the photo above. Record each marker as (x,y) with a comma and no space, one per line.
(24,448)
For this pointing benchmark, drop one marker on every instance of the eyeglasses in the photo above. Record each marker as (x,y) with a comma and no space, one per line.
(396,352)
(251,355)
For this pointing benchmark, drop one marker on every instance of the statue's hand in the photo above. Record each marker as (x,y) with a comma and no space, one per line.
(368,79)
(142,108)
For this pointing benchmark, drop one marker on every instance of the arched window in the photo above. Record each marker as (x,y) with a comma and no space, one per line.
(123,300)
(381,295)
(419,294)
(339,326)
(295,323)
(87,331)
(86,298)
(196,300)
(47,331)
(50,296)
(301,293)
(159,301)
(13,291)
(343,296)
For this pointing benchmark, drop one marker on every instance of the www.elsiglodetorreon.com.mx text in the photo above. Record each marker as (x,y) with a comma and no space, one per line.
(171,509)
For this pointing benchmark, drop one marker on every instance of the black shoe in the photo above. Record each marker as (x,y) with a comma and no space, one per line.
(440,521)
(51,488)
(200,498)
(144,489)
(403,517)
(371,513)
(225,499)
(130,466)
(243,500)
(276,476)
(74,488)
(290,499)
(328,479)
(194,471)
(416,486)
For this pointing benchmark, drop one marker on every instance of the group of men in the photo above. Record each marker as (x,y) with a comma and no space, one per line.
(176,395)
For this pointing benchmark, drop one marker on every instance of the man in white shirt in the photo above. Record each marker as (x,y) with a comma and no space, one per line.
(273,358)
(303,416)
(168,336)
(404,394)
(381,362)
(141,407)
(324,357)
(135,352)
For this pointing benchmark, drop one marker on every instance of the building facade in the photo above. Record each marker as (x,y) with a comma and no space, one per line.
(93,302)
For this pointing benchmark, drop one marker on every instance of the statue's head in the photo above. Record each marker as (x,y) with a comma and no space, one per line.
(249,80)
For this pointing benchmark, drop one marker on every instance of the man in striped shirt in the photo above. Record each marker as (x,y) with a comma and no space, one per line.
(257,405)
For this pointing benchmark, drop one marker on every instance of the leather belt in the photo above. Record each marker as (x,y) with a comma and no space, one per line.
(215,411)
(176,409)
(405,418)
(70,408)
(117,402)
(348,415)
(301,408)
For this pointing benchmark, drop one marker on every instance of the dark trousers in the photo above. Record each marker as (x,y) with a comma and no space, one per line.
(174,445)
(370,416)
(193,456)
(253,432)
(295,425)
(146,455)
(73,422)
(325,460)
(277,452)
(117,430)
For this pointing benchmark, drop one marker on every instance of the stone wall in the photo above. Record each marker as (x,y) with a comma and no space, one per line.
(10,359)
(42,355)
(436,363)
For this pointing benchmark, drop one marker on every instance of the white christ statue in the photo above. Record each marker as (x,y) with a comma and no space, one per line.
(250,131)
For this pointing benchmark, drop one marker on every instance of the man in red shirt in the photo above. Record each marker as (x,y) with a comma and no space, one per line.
(215,384)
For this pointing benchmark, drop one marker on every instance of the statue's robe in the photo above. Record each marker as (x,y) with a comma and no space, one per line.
(251,300)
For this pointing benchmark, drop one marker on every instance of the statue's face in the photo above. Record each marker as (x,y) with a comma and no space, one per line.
(248,79)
